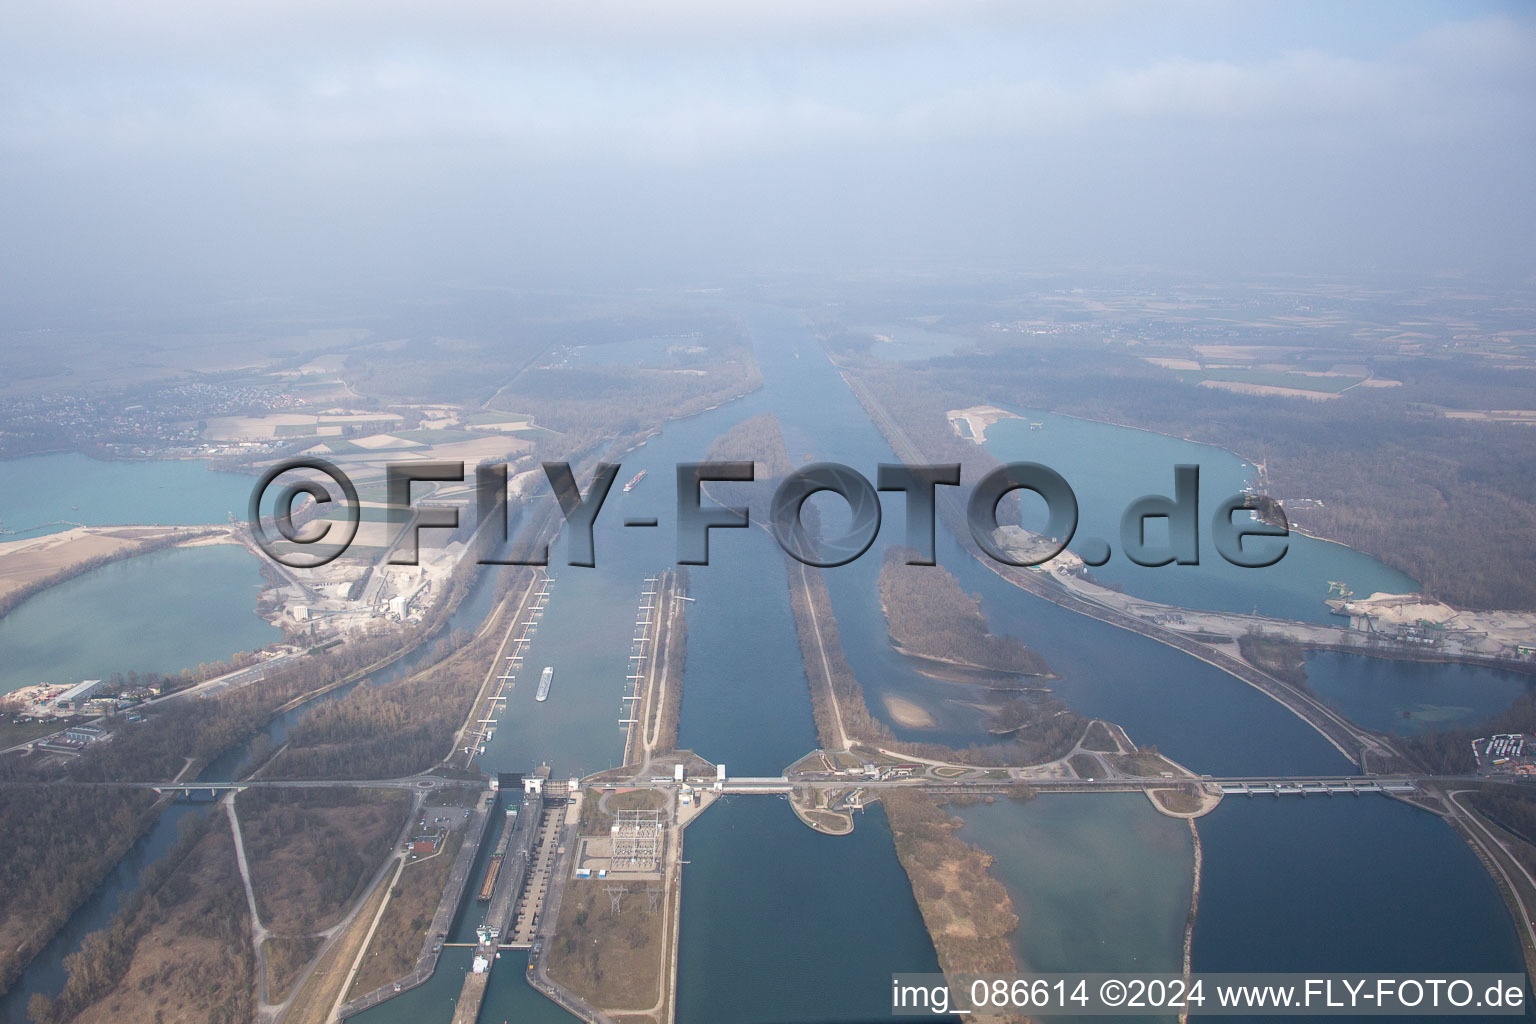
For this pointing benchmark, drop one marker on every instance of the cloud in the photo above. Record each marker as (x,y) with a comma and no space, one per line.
(608,99)
(796,126)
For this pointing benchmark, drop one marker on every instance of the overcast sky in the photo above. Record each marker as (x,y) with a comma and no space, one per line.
(230,148)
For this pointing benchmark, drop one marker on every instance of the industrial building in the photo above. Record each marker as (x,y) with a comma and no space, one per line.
(77,695)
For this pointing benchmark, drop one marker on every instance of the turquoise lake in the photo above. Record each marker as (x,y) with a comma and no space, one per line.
(1368,883)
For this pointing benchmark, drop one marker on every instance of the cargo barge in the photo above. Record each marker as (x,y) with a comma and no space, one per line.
(492,869)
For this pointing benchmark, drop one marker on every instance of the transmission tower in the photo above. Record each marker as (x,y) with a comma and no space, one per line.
(615,896)
(654,892)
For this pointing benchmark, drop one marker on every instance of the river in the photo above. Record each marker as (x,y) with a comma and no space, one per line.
(46,972)
(782,924)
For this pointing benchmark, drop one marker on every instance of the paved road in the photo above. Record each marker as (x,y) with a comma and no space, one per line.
(539,977)
(418,783)
(431,950)
(1504,861)
(421,783)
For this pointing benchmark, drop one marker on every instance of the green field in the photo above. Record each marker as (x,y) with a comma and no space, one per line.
(435,436)
(1275,379)
(12,733)
(343,447)
(367,514)
(479,419)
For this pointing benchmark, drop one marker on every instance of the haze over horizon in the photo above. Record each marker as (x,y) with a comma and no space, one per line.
(171,150)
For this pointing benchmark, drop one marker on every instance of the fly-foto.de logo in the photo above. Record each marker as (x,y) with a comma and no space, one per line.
(1250,541)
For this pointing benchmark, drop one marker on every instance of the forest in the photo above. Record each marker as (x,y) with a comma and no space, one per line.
(1451,502)
(62,839)
(759,440)
(389,730)
(1513,812)
(160,746)
(1448,750)
(929,616)
(1279,656)
(76,835)
(967,911)
(188,920)
(311,851)
(599,396)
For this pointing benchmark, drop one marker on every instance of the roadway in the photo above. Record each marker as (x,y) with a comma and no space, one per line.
(782,783)
(458,881)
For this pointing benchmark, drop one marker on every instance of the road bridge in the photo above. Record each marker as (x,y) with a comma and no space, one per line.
(1346,787)
(1293,785)
(779,784)
(412,782)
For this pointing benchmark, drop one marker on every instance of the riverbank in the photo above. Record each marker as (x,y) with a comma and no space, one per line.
(931,620)
(52,888)
(1194,909)
(1368,751)
(657,659)
(967,910)
(30,566)
(450,895)
(186,923)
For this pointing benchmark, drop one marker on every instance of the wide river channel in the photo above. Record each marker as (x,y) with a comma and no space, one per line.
(783,924)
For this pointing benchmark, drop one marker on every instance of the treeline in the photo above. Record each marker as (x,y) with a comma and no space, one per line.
(169,887)
(68,837)
(592,404)
(1041,727)
(1450,502)
(1513,812)
(397,729)
(440,369)
(390,730)
(1280,656)
(60,842)
(677,663)
(9,601)
(64,839)
(158,747)
(598,401)
(929,615)
(759,440)
(313,851)
(859,724)
(1041,740)
(186,678)
(967,911)
(451,356)
(1448,751)
(1053,743)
